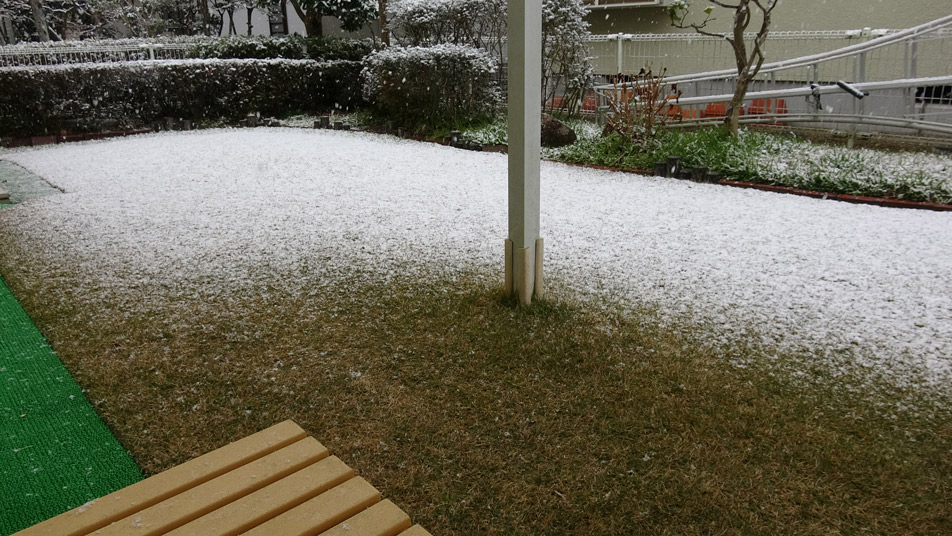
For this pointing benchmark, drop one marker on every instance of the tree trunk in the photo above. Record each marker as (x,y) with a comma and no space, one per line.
(310,18)
(206,17)
(384,31)
(284,17)
(313,25)
(231,23)
(748,65)
(250,10)
(732,121)
(39,19)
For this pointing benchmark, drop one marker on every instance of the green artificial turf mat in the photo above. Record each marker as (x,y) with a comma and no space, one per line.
(55,452)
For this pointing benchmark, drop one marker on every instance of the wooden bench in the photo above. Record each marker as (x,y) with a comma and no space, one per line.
(277,482)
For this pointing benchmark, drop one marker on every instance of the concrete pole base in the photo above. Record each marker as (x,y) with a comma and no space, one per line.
(524,274)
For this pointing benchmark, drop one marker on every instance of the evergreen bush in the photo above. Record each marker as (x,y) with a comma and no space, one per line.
(293,47)
(482,24)
(431,86)
(91,97)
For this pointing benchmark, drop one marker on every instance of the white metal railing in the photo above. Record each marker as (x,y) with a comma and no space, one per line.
(689,57)
(94,52)
(605,4)
(689,38)
(907,74)
(883,106)
(681,53)
(937,29)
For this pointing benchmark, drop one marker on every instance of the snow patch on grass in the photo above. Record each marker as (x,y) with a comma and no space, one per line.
(223,213)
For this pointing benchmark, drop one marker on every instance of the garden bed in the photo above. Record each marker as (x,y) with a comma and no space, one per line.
(855,199)
(764,158)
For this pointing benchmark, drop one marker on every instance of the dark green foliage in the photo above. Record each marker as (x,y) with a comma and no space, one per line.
(294,47)
(766,159)
(431,87)
(90,97)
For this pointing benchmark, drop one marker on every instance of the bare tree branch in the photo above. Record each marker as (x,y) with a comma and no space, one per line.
(748,57)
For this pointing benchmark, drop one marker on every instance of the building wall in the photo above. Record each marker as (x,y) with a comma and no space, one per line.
(260,25)
(790,15)
(694,54)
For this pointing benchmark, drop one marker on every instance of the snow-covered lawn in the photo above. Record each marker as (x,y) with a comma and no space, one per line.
(198,214)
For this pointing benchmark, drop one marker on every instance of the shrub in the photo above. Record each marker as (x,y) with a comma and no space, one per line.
(257,47)
(639,107)
(565,66)
(289,47)
(293,47)
(439,85)
(475,23)
(482,24)
(85,97)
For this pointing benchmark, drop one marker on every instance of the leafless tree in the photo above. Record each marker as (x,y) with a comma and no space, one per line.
(749,56)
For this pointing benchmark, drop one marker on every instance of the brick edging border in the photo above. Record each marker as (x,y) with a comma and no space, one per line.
(847,198)
(36,141)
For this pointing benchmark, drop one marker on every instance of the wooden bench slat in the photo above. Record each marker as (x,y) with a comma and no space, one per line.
(200,500)
(381,519)
(415,530)
(322,512)
(117,505)
(269,502)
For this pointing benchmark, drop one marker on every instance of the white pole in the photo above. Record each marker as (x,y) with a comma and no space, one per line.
(620,55)
(525,110)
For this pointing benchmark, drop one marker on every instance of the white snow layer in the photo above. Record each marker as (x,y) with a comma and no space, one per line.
(205,213)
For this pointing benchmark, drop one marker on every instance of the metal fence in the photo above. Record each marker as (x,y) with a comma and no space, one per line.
(97,52)
(907,74)
(684,53)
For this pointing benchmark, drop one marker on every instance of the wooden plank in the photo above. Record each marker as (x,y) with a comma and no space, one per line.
(322,512)
(198,501)
(381,519)
(117,505)
(415,530)
(269,502)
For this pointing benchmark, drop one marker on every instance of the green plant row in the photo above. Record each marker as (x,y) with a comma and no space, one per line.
(91,97)
(759,157)
(778,160)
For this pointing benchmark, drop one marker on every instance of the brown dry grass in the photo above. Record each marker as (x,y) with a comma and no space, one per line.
(481,418)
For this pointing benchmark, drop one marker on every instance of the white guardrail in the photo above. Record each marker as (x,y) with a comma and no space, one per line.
(906,86)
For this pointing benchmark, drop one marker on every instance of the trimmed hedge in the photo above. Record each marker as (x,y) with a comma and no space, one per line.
(293,47)
(92,97)
(431,86)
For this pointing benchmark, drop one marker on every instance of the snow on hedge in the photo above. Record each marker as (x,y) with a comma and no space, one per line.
(228,213)
(439,84)
(40,46)
(42,100)
(145,65)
